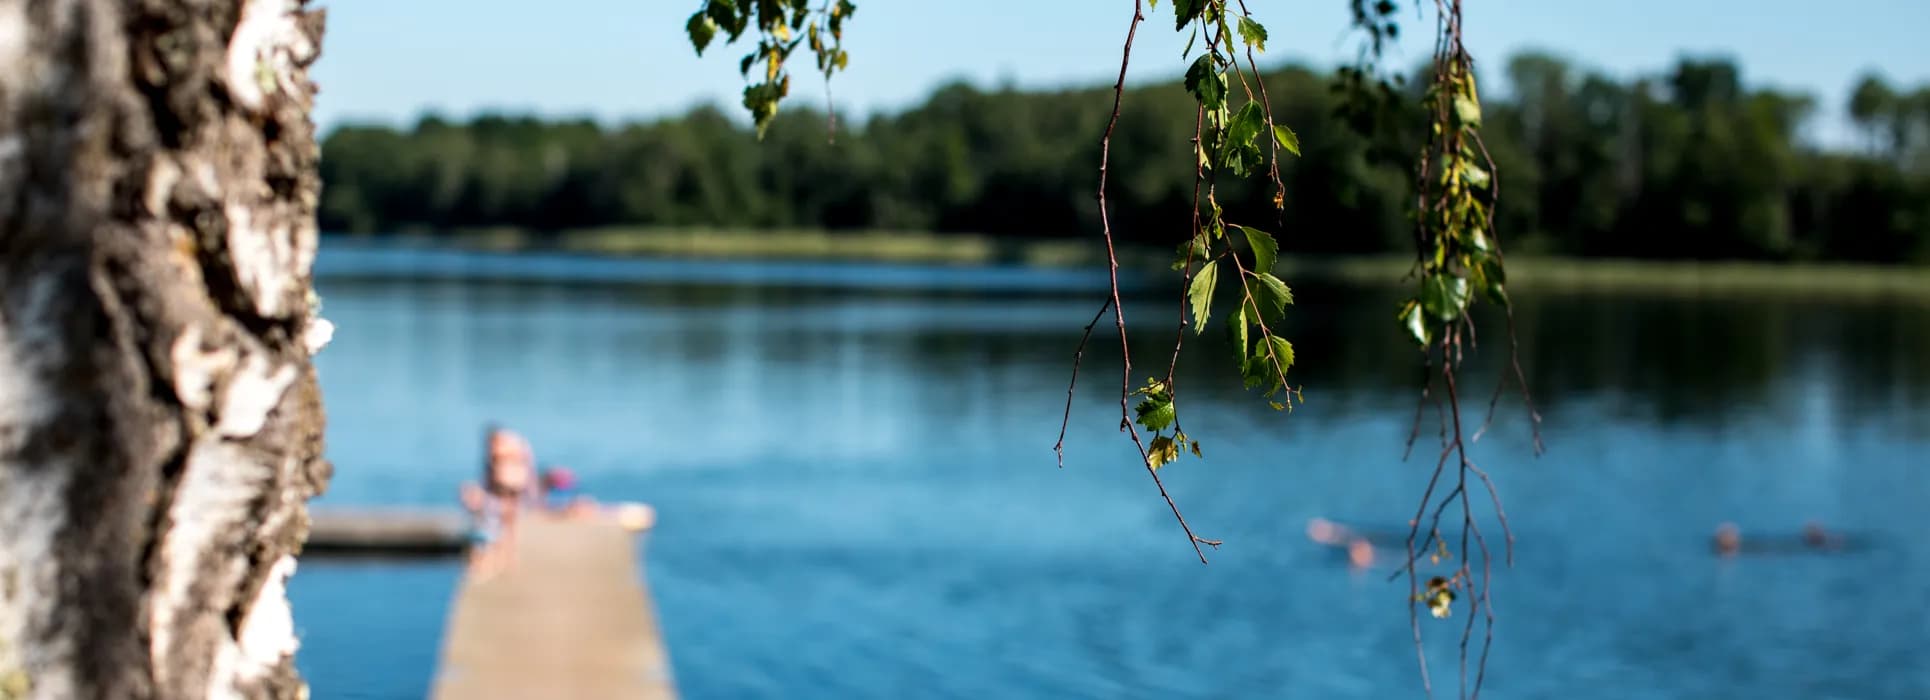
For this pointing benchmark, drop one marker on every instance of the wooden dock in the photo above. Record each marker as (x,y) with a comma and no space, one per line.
(572,619)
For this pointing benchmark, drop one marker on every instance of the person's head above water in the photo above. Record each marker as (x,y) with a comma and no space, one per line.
(1814,535)
(1360,553)
(1728,539)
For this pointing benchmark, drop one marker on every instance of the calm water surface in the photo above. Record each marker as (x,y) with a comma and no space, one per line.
(858,496)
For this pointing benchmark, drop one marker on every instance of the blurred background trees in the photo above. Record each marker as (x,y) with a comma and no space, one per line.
(1690,163)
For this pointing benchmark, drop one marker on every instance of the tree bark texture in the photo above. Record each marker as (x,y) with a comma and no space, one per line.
(160,425)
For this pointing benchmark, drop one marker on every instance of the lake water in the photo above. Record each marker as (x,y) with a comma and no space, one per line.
(858,496)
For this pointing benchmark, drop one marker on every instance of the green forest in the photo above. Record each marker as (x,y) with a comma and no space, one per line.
(1689,163)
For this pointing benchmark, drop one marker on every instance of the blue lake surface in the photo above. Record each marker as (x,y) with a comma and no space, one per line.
(858,496)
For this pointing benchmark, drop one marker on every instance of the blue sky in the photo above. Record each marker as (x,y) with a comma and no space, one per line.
(389,60)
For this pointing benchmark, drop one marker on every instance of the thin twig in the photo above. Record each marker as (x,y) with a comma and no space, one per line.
(1467,525)
(1434,529)
(1199,122)
(1486,605)
(1467,465)
(1521,379)
(1413,579)
(1059,447)
(1420,406)
(1266,103)
(1500,513)
(1514,343)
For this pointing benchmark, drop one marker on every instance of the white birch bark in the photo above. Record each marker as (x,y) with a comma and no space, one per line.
(160,426)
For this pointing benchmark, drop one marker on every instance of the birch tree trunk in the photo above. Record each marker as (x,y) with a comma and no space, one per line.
(160,426)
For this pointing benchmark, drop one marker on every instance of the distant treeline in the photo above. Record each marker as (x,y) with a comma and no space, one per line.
(1687,164)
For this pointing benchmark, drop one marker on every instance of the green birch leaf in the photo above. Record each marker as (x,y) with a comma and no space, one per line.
(1477,241)
(1236,327)
(1206,83)
(1444,296)
(1468,110)
(1271,296)
(1160,452)
(1282,354)
(1415,321)
(1254,373)
(726,14)
(1201,294)
(1476,176)
(1155,415)
(701,29)
(1286,138)
(1493,279)
(1185,10)
(1253,34)
(1240,150)
(1266,250)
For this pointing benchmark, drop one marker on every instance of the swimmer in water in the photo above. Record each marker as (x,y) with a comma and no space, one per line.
(1815,536)
(1360,551)
(1728,540)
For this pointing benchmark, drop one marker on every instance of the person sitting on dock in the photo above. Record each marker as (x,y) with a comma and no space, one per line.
(506,484)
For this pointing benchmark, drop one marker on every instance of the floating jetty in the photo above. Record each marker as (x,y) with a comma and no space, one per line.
(386,532)
(571,619)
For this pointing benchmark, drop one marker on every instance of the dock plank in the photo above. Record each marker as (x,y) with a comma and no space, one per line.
(572,619)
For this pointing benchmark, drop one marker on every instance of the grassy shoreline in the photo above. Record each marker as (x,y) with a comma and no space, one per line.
(1541,273)
(1524,272)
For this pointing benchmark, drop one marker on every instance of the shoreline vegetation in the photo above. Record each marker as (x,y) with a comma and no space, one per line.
(1690,162)
(1526,272)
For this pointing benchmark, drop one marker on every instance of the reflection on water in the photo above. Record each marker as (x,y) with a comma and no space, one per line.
(858,497)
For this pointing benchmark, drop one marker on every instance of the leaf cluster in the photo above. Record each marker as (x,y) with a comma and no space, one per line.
(781,26)
(1458,256)
(1240,143)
